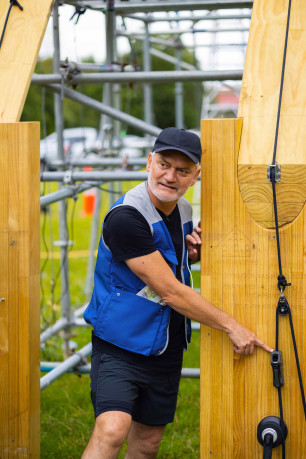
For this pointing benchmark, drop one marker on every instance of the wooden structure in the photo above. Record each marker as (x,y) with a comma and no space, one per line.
(19,233)
(19,52)
(240,267)
(19,287)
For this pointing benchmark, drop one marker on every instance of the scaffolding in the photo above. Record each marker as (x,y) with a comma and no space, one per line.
(215,15)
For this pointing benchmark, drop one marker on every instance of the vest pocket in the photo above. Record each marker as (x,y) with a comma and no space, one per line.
(130,321)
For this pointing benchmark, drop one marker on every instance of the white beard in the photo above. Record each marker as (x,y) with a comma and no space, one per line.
(159,195)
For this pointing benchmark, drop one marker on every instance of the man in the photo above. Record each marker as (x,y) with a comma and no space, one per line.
(141,302)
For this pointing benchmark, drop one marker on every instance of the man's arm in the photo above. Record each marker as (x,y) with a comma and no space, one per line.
(154,271)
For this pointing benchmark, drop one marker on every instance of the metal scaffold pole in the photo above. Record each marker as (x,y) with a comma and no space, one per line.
(147,88)
(188,17)
(103,108)
(179,91)
(106,133)
(63,229)
(147,77)
(124,8)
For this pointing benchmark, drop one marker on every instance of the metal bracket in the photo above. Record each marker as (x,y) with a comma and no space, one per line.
(63,243)
(68,177)
(277,172)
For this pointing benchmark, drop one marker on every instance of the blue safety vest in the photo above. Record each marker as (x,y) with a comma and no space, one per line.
(120,316)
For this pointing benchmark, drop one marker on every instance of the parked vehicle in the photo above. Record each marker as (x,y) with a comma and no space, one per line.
(84,143)
(77,143)
(134,146)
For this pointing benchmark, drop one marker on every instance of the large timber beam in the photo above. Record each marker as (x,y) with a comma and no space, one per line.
(240,269)
(19,290)
(19,51)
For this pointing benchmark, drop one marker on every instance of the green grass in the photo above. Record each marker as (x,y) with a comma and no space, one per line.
(66,412)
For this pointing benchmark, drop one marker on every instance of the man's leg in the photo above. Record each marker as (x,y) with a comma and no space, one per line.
(143,441)
(109,433)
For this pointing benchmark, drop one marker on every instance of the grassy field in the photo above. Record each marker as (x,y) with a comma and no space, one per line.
(66,411)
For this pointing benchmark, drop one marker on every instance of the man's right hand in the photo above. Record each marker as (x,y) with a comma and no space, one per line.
(244,340)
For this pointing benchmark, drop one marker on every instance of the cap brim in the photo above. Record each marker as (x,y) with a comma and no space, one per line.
(193,158)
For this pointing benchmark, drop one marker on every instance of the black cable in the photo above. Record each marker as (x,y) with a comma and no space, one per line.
(297,362)
(272,176)
(268,445)
(107,190)
(12,3)
(282,282)
(281,416)
(63,261)
(280,402)
(281,85)
(69,234)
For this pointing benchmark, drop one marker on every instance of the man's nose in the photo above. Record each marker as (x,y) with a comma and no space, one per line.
(171,174)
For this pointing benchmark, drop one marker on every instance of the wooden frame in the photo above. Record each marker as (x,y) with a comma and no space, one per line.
(19,286)
(239,275)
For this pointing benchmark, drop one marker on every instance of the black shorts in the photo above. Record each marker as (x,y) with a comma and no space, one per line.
(148,396)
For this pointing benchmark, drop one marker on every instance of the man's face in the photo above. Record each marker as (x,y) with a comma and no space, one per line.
(170,174)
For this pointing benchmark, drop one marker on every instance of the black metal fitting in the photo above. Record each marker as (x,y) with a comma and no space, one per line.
(271,426)
(277,367)
(283,306)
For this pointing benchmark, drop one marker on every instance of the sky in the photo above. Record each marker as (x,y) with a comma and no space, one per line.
(87,38)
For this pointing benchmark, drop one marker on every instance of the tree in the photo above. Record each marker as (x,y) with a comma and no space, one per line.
(163,93)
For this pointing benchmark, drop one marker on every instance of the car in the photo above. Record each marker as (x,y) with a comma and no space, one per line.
(77,143)
(134,146)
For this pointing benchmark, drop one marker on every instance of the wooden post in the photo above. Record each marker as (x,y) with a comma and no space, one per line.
(239,275)
(239,267)
(19,233)
(19,51)
(19,289)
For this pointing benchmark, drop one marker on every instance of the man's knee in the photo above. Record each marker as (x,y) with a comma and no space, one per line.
(150,445)
(112,428)
(144,441)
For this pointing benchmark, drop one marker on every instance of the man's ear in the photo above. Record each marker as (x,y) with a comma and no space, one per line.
(149,162)
(195,177)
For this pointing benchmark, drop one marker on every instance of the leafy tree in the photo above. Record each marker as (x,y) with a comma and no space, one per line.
(163,93)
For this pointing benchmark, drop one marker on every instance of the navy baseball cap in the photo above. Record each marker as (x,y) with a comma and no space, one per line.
(186,142)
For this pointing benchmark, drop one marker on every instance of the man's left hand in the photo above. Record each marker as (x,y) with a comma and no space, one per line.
(193,244)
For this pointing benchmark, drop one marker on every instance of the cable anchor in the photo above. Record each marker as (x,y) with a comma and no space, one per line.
(282,305)
(277,367)
(277,172)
